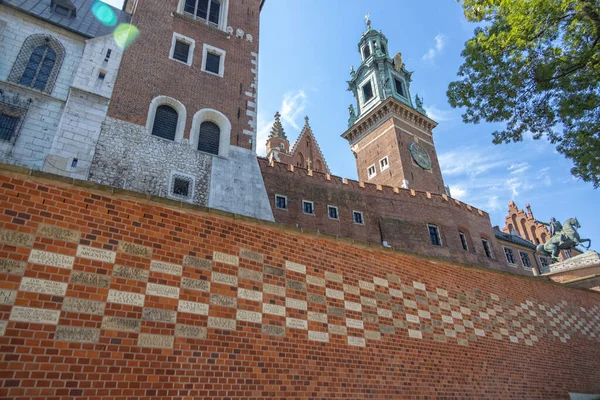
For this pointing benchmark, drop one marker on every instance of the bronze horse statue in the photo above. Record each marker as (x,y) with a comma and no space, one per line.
(565,239)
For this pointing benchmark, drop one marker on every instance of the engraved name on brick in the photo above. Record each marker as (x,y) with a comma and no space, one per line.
(12,267)
(296,304)
(251,295)
(159,315)
(127,298)
(222,323)
(249,316)
(192,308)
(251,275)
(88,279)
(154,289)
(356,341)
(274,290)
(273,309)
(318,336)
(133,249)
(8,296)
(121,324)
(156,341)
(51,259)
(35,315)
(195,284)
(136,274)
(296,323)
(189,331)
(251,255)
(292,266)
(226,258)
(15,238)
(224,279)
(77,334)
(198,263)
(83,306)
(166,268)
(93,253)
(58,233)
(223,301)
(273,330)
(43,286)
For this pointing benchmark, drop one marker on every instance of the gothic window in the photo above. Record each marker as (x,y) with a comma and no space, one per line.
(8,127)
(463,241)
(165,122)
(567,254)
(486,248)
(525,260)
(301,160)
(38,63)
(367,92)
(399,87)
(434,235)
(207,10)
(510,257)
(209,138)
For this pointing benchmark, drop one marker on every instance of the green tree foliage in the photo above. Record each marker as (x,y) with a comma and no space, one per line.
(535,65)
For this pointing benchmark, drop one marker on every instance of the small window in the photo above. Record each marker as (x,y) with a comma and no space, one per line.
(399,87)
(108,54)
(209,138)
(165,122)
(213,62)
(308,207)
(383,50)
(372,171)
(486,248)
(358,217)
(525,260)
(367,92)
(181,186)
(281,202)
(8,127)
(367,52)
(101,76)
(567,254)
(544,262)
(384,163)
(333,212)
(434,235)
(74,163)
(463,241)
(181,52)
(510,257)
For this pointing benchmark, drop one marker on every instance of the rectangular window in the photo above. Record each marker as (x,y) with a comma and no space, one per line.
(358,217)
(181,52)
(8,127)
(308,207)
(486,248)
(367,92)
(544,262)
(567,254)
(510,257)
(213,62)
(333,212)
(367,52)
(525,260)
(181,187)
(434,235)
(399,87)
(281,202)
(384,163)
(372,171)
(463,241)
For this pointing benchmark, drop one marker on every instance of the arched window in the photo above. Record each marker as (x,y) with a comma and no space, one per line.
(38,63)
(524,227)
(301,160)
(165,122)
(209,138)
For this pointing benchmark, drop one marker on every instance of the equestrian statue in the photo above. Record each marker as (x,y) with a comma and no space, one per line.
(563,237)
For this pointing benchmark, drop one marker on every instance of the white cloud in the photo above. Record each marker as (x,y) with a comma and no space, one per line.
(432,53)
(493,204)
(458,192)
(470,161)
(439,115)
(519,169)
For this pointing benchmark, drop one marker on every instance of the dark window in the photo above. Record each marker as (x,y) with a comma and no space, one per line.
(190,6)
(486,248)
(383,48)
(8,126)
(74,163)
(399,87)
(210,136)
(181,187)
(368,92)
(181,52)
(333,212)
(215,12)
(213,63)
(308,207)
(510,258)
(544,261)
(281,202)
(358,217)
(38,70)
(525,260)
(434,235)
(208,10)
(463,241)
(108,53)
(367,52)
(165,122)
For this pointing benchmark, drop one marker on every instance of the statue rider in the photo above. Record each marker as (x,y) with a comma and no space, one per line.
(555,228)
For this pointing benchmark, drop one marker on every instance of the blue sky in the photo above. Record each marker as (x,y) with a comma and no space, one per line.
(306,50)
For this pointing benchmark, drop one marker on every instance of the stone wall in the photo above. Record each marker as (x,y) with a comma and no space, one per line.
(107,295)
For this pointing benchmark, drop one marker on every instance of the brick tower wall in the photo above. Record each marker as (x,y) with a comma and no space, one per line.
(114,295)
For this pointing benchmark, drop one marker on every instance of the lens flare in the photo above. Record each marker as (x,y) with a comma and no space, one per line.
(104,13)
(125,35)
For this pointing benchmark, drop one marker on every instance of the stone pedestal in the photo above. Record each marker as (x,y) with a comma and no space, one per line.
(582,271)
(585,260)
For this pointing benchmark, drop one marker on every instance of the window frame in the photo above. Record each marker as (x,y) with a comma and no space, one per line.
(216,51)
(374,174)
(487,249)
(181,120)
(546,261)
(337,212)
(523,253)
(512,254)
(277,196)
(362,217)
(463,240)
(402,85)
(200,137)
(154,123)
(217,117)
(362,89)
(438,234)
(177,37)
(223,16)
(387,164)
(192,181)
(312,204)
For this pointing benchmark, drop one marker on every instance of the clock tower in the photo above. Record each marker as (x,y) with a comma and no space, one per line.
(389,133)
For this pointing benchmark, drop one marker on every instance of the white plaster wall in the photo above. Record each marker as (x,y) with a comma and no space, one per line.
(237,186)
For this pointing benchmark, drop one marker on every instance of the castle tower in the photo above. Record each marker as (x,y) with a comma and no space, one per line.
(278,141)
(182,120)
(390,135)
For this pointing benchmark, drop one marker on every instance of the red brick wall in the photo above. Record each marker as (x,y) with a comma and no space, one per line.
(366,346)
(146,70)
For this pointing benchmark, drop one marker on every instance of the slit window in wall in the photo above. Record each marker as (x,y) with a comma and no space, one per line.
(74,163)
(367,90)
(358,217)
(525,260)
(165,122)
(486,248)
(384,163)
(510,257)
(281,202)
(372,171)
(333,212)
(434,235)
(108,54)
(209,138)
(308,207)
(463,241)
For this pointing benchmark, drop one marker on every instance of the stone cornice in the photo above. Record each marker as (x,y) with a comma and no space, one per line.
(390,107)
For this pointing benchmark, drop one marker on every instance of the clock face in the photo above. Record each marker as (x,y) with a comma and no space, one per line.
(420,155)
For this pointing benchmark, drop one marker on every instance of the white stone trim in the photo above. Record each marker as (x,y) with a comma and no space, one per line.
(181,115)
(337,212)
(286,202)
(181,38)
(362,217)
(374,174)
(206,48)
(308,202)
(387,164)
(208,114)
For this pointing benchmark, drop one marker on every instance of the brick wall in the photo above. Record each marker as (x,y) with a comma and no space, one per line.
(110,295)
